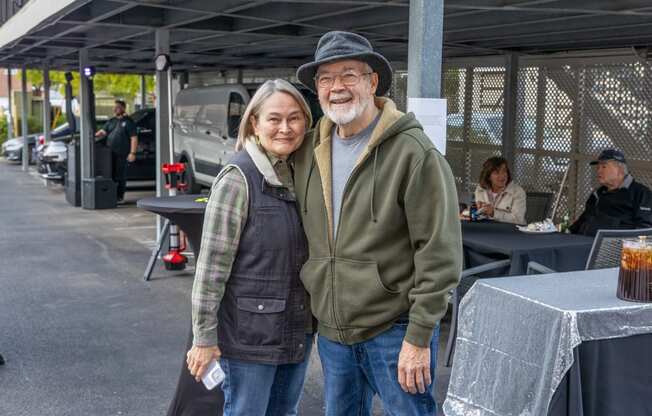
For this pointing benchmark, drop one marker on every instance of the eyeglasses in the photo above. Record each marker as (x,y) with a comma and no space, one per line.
(348,79)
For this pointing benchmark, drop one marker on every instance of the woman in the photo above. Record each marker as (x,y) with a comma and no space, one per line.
(249,309)
(497,196)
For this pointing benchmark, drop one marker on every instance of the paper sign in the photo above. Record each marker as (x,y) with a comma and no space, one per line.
(431,113)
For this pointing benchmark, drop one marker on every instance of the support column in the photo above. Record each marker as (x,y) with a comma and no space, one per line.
(10,117)
(162,119)
(47,109)
(509,108)
(85,122)
(425,48)
(23,126)
(143,92)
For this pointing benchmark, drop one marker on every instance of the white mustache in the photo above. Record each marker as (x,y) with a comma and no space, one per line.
(343,97)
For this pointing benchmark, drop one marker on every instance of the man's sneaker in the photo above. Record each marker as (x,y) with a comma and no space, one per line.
(2,360)
(121,201)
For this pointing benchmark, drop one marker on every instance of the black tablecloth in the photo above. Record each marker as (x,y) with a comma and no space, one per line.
(489,241)
(183,210)
(608,377)
(190,398)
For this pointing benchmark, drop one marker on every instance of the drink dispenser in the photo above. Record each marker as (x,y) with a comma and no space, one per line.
(635,276)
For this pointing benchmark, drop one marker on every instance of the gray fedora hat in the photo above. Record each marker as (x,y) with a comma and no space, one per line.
(336,46)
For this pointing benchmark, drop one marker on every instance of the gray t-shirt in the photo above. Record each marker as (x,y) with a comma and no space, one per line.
(345,153)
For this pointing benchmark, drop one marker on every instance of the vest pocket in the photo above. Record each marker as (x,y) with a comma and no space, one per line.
(271,228)
(260,321)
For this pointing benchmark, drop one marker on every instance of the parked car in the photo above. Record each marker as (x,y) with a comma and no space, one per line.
(206,121)
(12,149)
(55,155)
(51,156)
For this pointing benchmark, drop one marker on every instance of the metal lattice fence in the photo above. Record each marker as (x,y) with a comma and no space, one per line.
(567,112)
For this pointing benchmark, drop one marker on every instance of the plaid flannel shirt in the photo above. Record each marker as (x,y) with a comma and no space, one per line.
(224,220)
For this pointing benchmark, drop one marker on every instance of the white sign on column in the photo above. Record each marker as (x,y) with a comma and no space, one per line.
(431,113)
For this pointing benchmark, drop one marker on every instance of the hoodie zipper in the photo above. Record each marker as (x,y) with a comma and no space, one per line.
(354,172)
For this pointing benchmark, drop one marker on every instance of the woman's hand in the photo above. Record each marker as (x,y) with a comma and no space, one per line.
(198,359)
(488,210)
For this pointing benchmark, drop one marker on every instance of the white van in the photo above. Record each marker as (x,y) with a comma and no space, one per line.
(206,121)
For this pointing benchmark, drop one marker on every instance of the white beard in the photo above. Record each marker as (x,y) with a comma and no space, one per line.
(346,116)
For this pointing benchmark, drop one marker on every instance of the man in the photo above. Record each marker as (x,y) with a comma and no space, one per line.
(122,139)
(619,203)
(379,208)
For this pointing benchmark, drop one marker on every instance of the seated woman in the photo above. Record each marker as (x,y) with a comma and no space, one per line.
(497,196)
(249,308)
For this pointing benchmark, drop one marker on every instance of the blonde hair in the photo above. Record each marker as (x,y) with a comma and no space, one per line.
(246,129)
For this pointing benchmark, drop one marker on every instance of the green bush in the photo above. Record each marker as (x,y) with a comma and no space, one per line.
(3,128)
(34,125)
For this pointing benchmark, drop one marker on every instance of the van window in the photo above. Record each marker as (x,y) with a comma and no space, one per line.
(186,113)
(236,110)
(211,114)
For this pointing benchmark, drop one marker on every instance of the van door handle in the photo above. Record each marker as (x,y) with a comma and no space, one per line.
(224,137)
(207,132)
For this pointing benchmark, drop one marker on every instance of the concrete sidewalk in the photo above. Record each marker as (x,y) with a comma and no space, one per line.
(80,330)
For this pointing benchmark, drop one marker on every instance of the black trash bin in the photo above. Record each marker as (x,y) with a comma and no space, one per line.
(73,174)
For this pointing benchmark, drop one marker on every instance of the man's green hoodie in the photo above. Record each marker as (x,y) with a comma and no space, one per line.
(398,249)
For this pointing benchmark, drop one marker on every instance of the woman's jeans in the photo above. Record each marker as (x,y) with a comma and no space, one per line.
(354,373)
(252,389)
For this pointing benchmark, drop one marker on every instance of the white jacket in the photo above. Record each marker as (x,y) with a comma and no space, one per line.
(509,205)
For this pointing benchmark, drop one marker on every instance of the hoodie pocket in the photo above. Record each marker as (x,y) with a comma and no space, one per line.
(316,278)
(260,321)
(362,299)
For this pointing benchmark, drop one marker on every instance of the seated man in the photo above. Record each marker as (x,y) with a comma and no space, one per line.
(619,203)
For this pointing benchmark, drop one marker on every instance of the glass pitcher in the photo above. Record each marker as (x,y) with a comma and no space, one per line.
(635,275)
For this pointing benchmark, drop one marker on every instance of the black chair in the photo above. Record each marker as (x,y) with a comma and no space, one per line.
(537,205)
(467,279)
(605,251)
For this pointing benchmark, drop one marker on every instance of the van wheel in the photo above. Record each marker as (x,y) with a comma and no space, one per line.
(193,186)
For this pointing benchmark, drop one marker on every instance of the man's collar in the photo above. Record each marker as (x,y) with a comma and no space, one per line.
(627,182)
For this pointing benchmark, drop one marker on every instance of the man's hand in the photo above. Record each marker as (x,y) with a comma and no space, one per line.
(414,368)
(131,157)
(198,359)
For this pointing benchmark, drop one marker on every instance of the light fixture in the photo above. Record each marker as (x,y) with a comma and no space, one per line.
(89,71)
(162,62)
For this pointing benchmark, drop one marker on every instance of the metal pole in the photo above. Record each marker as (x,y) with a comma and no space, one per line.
(162,119)
(143,92)
(10,116)
(85,122)
(425,48)
(23,126)
(509,109)
(47,114)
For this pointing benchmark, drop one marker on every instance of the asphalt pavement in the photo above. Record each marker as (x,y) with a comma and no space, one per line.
(81,332)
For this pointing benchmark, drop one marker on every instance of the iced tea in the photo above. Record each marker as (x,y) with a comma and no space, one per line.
(635,276)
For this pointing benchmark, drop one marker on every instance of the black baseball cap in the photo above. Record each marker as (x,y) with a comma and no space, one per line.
(609,154)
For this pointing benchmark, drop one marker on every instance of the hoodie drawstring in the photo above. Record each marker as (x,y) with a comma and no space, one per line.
(373,186)
(305,194)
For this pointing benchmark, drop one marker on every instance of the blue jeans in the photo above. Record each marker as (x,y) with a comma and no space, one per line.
(354,373)
(252,389)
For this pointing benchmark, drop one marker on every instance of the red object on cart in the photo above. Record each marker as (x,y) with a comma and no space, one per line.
(175,176)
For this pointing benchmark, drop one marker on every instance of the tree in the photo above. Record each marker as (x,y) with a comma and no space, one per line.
(124,86)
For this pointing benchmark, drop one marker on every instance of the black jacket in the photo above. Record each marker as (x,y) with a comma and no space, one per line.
(628,207)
